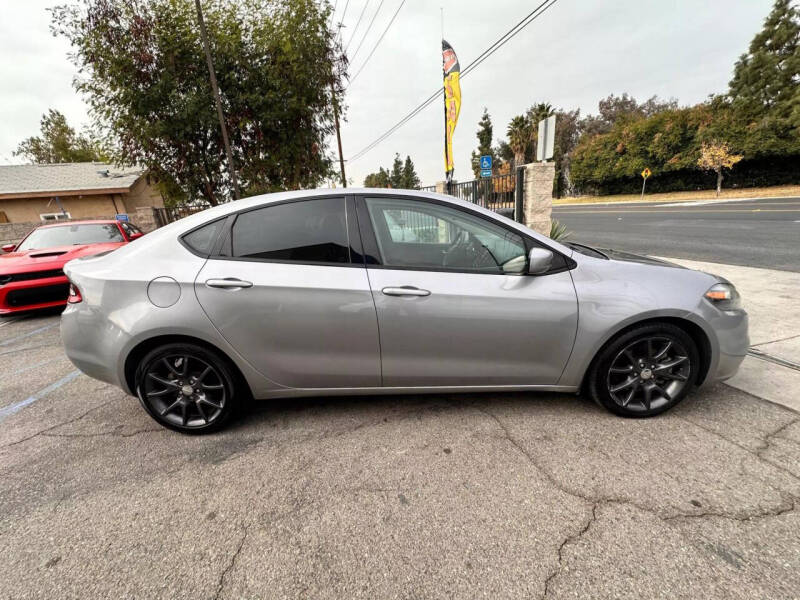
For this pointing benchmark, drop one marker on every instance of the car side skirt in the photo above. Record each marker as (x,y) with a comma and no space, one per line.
(385,391)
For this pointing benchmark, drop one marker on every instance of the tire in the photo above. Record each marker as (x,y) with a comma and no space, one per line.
(645,371)
(187,388)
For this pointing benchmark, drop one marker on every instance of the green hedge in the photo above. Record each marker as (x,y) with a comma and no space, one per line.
(764,172)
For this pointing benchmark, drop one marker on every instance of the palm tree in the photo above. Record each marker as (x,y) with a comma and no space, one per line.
(518,136)
(536,113)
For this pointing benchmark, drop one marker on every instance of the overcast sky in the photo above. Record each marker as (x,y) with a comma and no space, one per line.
(576,53)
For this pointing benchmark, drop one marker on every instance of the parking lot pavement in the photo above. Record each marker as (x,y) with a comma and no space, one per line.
(514,495)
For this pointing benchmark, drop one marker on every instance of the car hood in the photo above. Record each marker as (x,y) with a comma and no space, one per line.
(619,255)
(49,258)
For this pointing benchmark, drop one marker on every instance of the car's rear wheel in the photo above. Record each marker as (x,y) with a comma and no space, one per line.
(645,371)
(186,387)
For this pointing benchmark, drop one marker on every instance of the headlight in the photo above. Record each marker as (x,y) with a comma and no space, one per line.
(724,296)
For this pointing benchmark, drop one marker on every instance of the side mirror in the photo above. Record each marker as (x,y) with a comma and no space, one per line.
(135,236)
(539,261)
(9,247)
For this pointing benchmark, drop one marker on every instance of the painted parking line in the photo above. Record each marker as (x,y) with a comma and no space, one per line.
(32,367)
(9,410)
(29,334)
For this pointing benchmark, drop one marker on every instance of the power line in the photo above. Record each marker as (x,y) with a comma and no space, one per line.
(353,35)
(527,20)
(344,12)
(378,43)
(364,37)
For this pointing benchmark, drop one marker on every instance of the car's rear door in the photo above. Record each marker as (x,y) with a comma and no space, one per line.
(448,313)
(288,289)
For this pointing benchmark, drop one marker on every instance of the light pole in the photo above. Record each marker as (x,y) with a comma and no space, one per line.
(215,89)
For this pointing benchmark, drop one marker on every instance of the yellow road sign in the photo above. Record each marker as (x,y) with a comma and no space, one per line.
(646,173)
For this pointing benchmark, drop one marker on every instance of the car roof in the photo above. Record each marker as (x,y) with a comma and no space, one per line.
(83,222)
(226,208)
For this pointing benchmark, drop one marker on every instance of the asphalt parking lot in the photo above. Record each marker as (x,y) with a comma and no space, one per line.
(515,495)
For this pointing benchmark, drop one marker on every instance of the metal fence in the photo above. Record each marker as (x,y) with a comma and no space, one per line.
(500,193)
(168,214)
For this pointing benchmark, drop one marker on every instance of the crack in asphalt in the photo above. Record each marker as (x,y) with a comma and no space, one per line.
(56,426)
(788,501)
(568,540)
(764,442)
(231,563)
(104,433)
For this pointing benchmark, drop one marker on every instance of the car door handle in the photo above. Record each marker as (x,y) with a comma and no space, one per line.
(229,283)
(405,291)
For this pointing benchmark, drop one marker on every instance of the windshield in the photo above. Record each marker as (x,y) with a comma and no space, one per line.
(71,235)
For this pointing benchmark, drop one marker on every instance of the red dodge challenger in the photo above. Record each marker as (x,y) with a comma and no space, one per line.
(31,273)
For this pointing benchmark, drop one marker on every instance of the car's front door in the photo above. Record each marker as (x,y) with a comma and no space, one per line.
(291,295)
(449,311)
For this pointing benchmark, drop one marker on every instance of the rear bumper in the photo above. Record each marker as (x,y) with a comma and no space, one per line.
(24,296)
(89,340)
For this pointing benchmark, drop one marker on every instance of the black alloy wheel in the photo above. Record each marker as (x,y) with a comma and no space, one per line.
(186,388)
(646,371)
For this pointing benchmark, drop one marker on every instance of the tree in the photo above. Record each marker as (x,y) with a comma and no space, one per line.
(717,156)
(144,76)
(767,78)
(402,175)
(378,180)
(58,143)
(396,173)
(484,135)
(566,138)
(536,113)
(614,109)
(518,138)
(410,177)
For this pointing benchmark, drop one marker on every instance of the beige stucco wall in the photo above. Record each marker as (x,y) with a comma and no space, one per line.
(142,194)
(28,209)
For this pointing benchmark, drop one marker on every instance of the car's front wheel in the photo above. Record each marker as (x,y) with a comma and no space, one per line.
(186,387)
(645,371)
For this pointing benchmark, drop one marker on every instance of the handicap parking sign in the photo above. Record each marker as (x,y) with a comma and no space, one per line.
(486,162)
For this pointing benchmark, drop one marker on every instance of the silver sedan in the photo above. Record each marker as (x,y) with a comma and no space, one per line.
(365,291)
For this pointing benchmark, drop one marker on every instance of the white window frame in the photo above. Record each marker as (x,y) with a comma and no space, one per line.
(56,216)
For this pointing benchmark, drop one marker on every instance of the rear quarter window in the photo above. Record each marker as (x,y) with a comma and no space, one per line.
(201,240)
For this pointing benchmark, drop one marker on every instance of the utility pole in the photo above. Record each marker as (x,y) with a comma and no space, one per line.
(338,133)
(215,88)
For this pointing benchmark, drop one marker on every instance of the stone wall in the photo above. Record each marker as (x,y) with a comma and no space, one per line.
(145,218)
(11,233)
(538,196)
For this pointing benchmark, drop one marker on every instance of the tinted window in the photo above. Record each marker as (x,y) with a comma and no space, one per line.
(72,235)
(308,231)
(415,233)
(202,240)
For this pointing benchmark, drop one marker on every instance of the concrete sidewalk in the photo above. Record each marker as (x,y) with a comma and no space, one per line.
(771,299)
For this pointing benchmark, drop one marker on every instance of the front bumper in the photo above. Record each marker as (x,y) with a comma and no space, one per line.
(733,341)
(24,296)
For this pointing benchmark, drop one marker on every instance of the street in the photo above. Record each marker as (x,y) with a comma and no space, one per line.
(502,495)
(757,233)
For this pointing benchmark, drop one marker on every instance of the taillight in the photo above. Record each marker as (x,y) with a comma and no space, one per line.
(74,294)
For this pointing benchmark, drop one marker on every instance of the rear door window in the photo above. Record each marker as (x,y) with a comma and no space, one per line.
(308,231)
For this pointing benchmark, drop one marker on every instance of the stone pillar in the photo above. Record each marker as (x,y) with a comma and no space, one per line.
(441,187)
(145,218)
(537,200)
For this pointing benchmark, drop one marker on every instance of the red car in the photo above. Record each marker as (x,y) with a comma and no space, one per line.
(31,272)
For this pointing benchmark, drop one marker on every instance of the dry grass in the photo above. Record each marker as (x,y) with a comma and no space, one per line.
(779,191)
